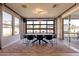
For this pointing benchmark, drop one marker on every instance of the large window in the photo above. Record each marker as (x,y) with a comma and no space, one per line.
(66,27)
(7,24)
(71,27)
(30,27)
(16,26)
(40,26)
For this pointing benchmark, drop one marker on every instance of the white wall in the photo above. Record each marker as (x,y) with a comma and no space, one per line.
(22,29)
(6,41)
(60,28)
(0,24)
(70,11)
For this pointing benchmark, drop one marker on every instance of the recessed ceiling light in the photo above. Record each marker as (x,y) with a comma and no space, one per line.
(54,6)
(39,11)
(24,6)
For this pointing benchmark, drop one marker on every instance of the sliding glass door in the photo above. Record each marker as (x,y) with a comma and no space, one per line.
(66,28)
(71,27)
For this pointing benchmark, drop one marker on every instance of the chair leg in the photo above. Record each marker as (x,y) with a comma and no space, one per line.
(51,42)
(56,41)
(27,43)
(39,42)
(24,40)
(34,41)
(45,41)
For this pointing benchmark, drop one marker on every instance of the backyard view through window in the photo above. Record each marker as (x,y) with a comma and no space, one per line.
(7,24)
(16,26)
(71,27)
(40,26)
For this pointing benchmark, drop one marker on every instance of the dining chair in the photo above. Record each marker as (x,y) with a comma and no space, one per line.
(24,39)
(40,39)
(29,39)
(54,39)
(49,38)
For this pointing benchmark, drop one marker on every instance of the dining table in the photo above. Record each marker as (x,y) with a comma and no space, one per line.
(43,34)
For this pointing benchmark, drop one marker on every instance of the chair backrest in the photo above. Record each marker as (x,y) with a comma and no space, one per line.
(30,37)
(48,37)
(54,36)
(40,37)
(24,36)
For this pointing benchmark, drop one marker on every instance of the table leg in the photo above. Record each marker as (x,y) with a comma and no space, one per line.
(39,42)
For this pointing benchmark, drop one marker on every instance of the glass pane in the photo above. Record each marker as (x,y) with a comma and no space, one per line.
(16,21)
(7,24)
(29,31)
(29,22)
(50,22)
(36,22)
(43,22)
(36,31)
(16,28)
(49,31)
(66,26)
(43,31)
(66,35)
(36,26)
(7,18)
(29,26)
(43,26)
(49,26)
(7,32)
(74,28)
(66,21)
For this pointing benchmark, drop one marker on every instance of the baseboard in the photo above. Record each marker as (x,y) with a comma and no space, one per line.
(10,43)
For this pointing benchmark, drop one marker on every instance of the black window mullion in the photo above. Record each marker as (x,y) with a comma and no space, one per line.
(40,26)
(46,26)
(26,27)
(53,26)
(33,26)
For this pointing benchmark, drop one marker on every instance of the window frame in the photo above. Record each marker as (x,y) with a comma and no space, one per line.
(8,24)
(53,24)
(16,25)
(12,24)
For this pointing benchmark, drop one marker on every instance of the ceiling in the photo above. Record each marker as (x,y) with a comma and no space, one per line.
(76,13)
(52,12)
